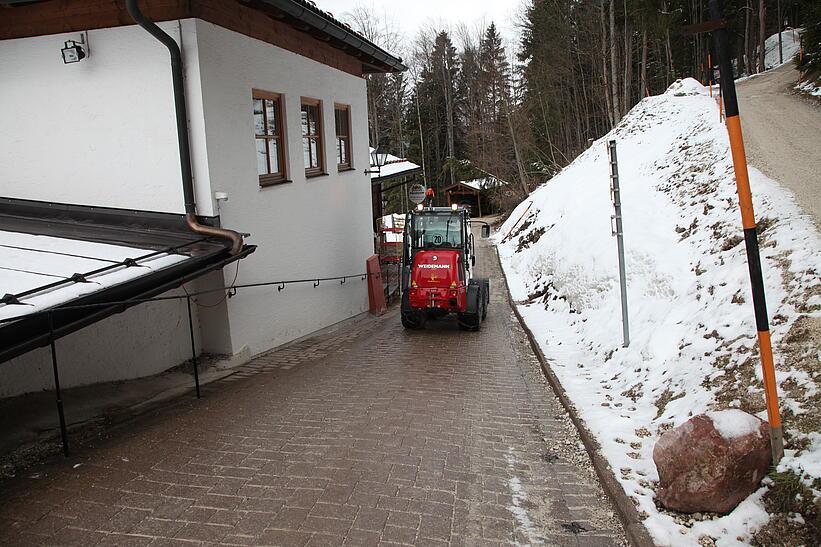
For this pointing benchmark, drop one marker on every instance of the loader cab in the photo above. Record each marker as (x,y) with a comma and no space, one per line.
(438,229)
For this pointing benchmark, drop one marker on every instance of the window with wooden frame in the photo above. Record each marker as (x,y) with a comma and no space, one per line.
(312,137)
(270,137)
(342,121)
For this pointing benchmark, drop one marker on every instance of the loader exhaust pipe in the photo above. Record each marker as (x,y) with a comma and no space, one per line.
(182,130)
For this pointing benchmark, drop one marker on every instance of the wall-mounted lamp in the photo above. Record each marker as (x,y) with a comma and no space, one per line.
(378,158)
(73,51)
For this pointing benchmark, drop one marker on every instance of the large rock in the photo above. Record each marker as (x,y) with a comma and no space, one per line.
(712,462)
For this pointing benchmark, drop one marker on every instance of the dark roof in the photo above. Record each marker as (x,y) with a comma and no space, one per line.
(307,12)
(303,15)
(163,249)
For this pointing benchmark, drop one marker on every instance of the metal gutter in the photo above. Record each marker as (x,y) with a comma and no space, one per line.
(182,129)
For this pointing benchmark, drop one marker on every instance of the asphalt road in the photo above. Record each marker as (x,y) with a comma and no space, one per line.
(782,134)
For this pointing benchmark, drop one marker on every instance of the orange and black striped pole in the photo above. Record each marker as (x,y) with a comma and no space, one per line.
(745,199)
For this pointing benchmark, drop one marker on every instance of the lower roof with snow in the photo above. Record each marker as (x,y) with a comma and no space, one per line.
(73,261)
(394,167)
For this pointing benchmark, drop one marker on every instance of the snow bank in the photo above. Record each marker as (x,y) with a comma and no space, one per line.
(790,44)
(691,318)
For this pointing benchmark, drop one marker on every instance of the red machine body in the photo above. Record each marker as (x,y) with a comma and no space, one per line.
(438,281)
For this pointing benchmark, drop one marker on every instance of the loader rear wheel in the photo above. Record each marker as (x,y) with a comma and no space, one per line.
(413,320)
(470,321)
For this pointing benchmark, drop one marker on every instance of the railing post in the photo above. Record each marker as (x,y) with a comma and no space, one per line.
(57,392)
(193,348)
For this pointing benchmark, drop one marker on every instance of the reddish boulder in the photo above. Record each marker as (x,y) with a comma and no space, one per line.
(712,461)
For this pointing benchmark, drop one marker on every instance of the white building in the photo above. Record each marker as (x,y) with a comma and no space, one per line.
(277,121)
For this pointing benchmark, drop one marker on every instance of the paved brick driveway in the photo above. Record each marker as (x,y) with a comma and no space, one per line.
(365,435)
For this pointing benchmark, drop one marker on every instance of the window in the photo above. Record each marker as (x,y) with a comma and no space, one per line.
(312,136)
(342,119)
(269,137)
(437,230)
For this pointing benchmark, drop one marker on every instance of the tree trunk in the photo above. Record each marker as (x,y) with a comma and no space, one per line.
(748,47)
(449,108)
(607,97)
(762,33)
(628,68)
(644,90)
(614,82)
(519,165)
(671,70)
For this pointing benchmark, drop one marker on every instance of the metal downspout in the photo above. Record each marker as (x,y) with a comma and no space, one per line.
(182,130)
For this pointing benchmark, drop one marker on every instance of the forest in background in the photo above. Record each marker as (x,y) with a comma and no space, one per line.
(469,107)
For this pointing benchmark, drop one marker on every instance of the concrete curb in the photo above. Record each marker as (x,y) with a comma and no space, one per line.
(636,533)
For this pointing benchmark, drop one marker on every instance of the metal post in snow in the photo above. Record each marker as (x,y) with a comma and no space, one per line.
(745,198)
(58,394)
(193,348)
(618,231)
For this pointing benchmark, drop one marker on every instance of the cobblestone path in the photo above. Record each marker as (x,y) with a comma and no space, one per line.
(364,435)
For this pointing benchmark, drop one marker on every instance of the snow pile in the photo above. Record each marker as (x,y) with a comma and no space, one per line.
(693,337)
(733,423)
(790,44)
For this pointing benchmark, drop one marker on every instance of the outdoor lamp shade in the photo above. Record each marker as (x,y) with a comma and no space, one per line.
(378,157)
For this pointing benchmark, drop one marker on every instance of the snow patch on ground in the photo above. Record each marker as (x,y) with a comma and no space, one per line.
(734,423)
(693,334)
(519,497)
(810,87)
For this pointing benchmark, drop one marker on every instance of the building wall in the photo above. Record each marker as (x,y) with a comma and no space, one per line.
(101,131)
(116,110)
(144,340)
(318,227)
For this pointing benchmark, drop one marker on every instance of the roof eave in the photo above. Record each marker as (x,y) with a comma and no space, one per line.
(316,18)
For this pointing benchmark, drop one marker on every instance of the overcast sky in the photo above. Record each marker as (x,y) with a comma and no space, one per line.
(410,15)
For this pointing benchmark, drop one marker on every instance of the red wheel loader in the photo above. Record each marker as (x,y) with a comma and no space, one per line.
(438,265)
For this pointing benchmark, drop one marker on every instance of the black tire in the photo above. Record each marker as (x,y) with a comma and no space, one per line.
(413,321)
(472,321)
(485,302)
(469,322)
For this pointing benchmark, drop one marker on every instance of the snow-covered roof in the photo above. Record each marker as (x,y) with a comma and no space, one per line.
(29,262)
(394,167)
(483,184)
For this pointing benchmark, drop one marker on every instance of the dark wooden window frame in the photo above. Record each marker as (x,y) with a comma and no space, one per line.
(347,137)
(317,138)
(281,176)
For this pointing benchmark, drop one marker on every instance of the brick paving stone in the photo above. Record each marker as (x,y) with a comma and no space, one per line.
(363,434)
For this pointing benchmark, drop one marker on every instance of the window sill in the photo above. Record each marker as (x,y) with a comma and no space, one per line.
(315,175)
(265,183)
(345,169)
